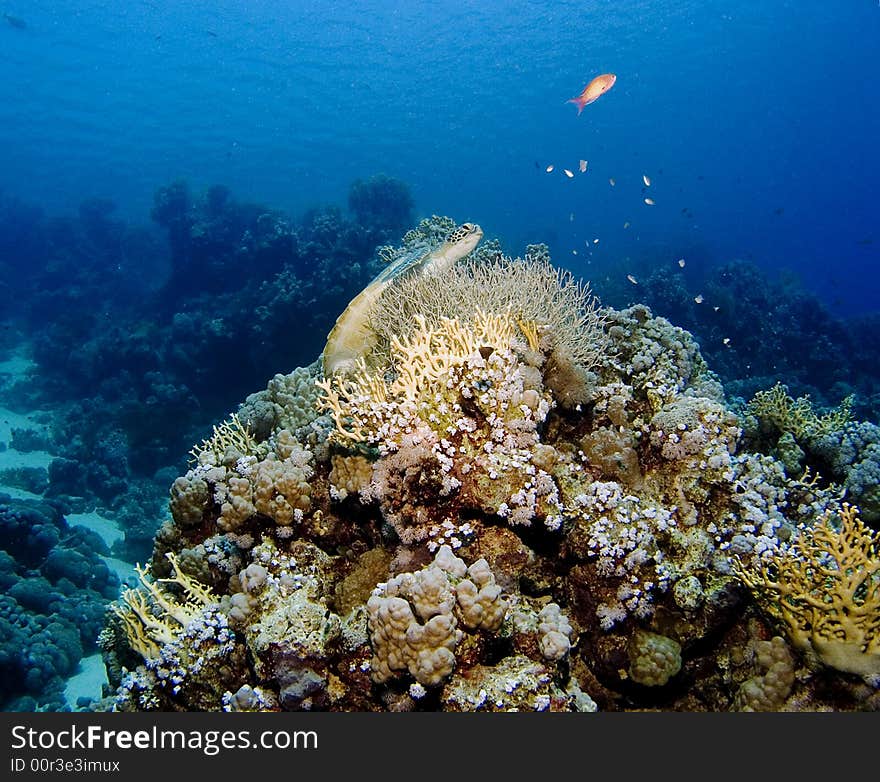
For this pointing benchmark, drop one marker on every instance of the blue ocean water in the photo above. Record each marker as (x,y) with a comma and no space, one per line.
(760,119)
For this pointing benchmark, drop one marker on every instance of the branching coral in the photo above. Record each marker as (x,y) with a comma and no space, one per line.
(190,653)
(825,589)
(153,616)
(797,416)
(542,299)
(436,368)
(229,434)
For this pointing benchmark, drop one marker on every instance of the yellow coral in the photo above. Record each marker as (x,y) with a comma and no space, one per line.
(826,591)
(797,415)
(152,616)
(229,434)
(429,353)
(359,402)
(530,329)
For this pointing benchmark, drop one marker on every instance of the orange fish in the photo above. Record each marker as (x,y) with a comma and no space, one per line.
(595,89)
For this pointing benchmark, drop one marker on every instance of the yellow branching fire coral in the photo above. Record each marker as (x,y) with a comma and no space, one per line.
(797,416)
(825,589)
(229,434)
(152,616)
(363,404)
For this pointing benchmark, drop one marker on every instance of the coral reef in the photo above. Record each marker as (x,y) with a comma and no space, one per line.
(501,508)
(131,328)
(381,204)
(54,588)
(756,329)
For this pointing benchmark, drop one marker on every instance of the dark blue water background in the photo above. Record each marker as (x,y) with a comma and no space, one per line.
(759,118)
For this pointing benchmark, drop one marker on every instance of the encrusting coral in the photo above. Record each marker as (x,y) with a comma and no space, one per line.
(516,499)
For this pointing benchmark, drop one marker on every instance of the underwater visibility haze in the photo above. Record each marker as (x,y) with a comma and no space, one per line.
(439,356)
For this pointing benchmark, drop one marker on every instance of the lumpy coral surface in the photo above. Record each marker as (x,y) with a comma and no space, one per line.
(524,502)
